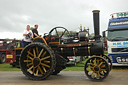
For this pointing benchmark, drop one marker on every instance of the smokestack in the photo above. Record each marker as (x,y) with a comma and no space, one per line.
(96,24)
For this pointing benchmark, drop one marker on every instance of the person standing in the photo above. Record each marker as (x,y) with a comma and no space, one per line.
(27,36)
(35,31)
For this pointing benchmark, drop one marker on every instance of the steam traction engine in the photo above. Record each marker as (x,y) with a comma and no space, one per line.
(48,55)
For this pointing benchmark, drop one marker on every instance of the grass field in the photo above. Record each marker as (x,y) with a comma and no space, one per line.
(8,67)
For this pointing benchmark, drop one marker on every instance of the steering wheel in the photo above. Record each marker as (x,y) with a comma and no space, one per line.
(59,34)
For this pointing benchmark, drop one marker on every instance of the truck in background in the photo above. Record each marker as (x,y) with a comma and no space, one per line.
(7,50)
(117,38)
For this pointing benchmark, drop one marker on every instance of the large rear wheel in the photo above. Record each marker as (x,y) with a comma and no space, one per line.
(37,61)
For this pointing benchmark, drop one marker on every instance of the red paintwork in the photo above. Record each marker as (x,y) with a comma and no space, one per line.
(10,52)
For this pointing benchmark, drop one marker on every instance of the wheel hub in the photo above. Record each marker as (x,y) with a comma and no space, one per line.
(96,68)
(36,62)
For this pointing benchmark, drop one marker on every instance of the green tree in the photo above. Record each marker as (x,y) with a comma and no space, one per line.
(31,28)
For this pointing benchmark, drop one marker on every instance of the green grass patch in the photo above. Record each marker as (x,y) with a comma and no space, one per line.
(74,68)
(105,52)
(78,67)
(8,67)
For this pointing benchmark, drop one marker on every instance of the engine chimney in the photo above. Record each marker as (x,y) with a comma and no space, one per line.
(96,24)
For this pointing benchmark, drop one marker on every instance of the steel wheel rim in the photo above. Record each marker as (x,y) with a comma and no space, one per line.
(101,64)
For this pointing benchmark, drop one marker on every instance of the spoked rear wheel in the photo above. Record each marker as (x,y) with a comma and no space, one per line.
(37,61)
(96,68)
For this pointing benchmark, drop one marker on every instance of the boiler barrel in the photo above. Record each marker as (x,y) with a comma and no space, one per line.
(95,48)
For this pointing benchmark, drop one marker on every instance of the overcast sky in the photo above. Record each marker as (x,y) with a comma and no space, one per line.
(16,14)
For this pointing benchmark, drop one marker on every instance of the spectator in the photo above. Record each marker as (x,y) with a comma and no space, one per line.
(28,35)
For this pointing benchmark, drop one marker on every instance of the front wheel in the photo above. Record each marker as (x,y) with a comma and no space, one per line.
(96,68)
(37,61)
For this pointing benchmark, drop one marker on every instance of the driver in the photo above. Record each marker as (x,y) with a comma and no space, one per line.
(35,31)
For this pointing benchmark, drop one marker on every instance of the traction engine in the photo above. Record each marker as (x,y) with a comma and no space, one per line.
(48,54)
